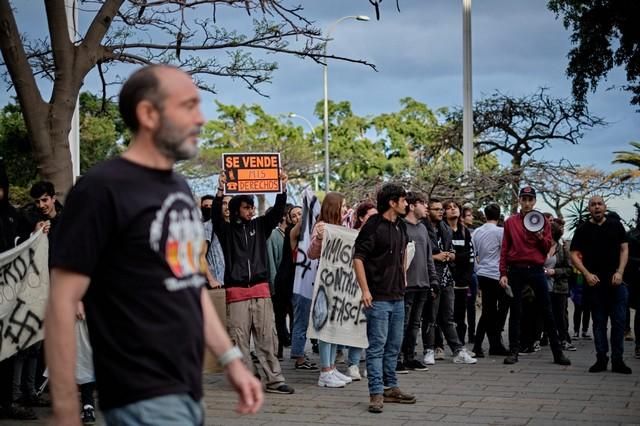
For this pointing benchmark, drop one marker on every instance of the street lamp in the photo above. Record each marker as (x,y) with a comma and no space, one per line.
(294,115)
(326,96)
(313,133)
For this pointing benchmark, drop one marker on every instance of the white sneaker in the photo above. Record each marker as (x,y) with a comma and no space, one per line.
(328,380)
(439,354)
(463,357)
(341,376)
(429,357)
(354,372)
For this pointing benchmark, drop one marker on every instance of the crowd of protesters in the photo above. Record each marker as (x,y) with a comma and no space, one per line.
(133,223)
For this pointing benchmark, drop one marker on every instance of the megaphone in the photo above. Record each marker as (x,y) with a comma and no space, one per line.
(533,221)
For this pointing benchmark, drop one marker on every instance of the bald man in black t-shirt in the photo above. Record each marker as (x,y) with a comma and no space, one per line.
(600,251)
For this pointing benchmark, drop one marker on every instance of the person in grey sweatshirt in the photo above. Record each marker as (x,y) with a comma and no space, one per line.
(421,276)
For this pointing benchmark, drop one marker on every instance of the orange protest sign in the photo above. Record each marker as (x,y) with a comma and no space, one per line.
(252,173)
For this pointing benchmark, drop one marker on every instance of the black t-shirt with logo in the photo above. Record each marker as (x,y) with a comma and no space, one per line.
(600,245)
(137,233)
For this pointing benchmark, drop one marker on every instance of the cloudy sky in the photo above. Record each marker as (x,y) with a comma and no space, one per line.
(518,47)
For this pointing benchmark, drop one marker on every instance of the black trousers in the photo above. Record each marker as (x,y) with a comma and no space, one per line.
(495,307)
(534,277)
(460,312)
(559,305)
(414,301)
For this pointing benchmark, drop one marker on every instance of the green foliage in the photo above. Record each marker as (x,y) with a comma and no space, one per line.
(15,147)
(100,129)
(605,34)
(629,157)
(248,128)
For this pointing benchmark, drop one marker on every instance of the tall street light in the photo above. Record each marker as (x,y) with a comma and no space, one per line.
(326,97)
(467,105)
(313,133)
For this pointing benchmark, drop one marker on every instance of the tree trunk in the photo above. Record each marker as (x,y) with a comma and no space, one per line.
(516,164)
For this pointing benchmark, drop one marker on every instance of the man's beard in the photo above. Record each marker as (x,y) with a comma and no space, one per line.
(172,141)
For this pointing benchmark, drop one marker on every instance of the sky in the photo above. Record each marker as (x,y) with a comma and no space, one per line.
(518,47)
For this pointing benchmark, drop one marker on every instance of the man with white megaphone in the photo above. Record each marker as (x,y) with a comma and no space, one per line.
(522,257)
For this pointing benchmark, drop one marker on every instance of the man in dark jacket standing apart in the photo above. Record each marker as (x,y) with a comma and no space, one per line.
(246,279)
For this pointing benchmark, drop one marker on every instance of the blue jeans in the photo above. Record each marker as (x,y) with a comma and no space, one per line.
(301,310)
(608,301)
(166,410)
(327,353)
(354,356)
(385,323)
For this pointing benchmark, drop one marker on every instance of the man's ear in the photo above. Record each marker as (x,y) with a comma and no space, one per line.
(148,115)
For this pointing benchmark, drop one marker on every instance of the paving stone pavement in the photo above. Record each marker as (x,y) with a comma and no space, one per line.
(533,392)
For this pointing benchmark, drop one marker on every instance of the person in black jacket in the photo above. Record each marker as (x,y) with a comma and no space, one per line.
(463,265)
(439,310)
(246,279)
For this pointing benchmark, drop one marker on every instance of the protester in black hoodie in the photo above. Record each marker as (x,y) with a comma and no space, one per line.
(246,279)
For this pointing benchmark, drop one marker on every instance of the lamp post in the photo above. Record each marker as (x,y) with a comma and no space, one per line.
(326,97)
(467,106)
(313,133)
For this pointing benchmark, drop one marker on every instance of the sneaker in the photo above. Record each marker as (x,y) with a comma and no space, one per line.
(620,367)
(561,359)
(439,355)
(341,376)
(281,388)
(479,353)
(340,357)
(586,336)
(576,336)
(328,380)
(511,359)
(415,365)
(401,369)
(354,373)
(537,347)
(637,355)
(429,358)
(628,337)
(306,365)
(376,403)
(88,415)
(526,351)
(395,395)
(600,365)
(566,346)
(463,357)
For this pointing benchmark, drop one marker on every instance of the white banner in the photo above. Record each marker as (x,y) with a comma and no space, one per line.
(24,288)
(305,267)
(337,313)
